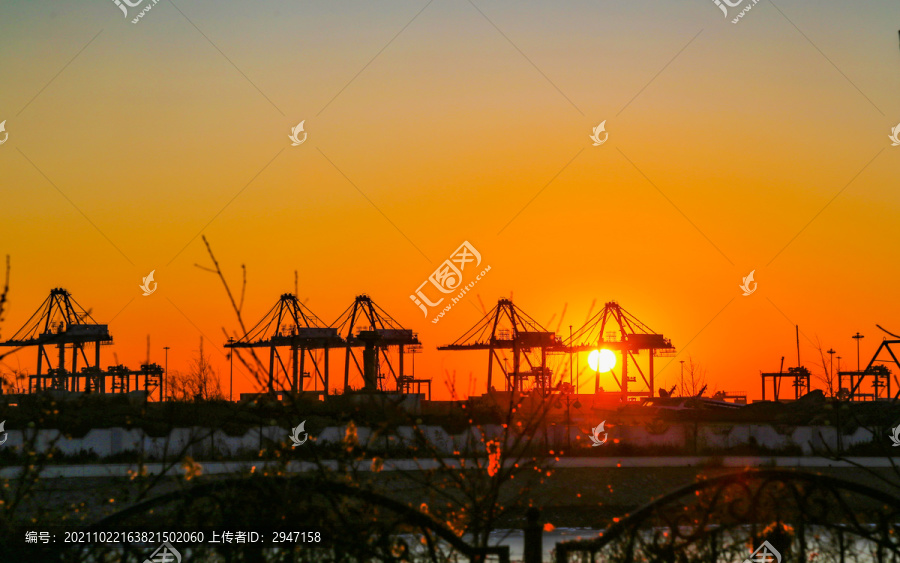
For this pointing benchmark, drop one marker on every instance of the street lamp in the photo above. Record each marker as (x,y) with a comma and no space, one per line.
(231,374)
(857,337)
(831,352)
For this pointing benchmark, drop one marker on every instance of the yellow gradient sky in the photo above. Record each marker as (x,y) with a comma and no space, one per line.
(758,146)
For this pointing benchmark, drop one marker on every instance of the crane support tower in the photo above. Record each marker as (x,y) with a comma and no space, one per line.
(366,325)
(799,377)
(290,324)
(507,327)
(877,369)
(62,323)
(614,328)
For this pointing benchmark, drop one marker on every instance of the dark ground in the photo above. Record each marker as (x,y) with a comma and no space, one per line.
(572,497)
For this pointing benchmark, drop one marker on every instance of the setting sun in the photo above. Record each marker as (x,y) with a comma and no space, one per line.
(602,360)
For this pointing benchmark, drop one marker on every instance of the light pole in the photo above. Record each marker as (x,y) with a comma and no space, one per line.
(570,357)
(831,352)
(682,377)
(840,379)
(857,337)
(577,372)
(166,376)
(231,374)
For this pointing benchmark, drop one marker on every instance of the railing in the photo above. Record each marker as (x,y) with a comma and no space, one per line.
(377,524)
(716,519)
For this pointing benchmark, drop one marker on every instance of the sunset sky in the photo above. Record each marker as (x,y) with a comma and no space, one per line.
(761,145)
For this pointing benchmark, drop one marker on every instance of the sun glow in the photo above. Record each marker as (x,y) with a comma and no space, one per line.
(602,360)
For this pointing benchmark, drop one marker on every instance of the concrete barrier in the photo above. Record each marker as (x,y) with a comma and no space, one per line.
(204,443)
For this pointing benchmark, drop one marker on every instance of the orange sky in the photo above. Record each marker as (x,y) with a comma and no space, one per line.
(758,146)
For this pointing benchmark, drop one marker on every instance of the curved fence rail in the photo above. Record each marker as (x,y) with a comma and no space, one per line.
(803,517)
(359,525)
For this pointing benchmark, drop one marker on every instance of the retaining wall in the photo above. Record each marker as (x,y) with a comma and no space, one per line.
(201,442)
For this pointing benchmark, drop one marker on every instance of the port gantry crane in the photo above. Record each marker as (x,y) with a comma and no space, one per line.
(799,374)
(615,329)
(880,374)
(366,325)
(62,323)
(292,325)
(507,327)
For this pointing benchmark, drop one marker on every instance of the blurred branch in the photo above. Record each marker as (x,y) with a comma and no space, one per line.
(237,306)
(828,377)
(5,291)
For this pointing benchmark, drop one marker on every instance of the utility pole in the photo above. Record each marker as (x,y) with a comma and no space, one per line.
(577,373)
(166,376)
(840,380)
(831,352)
(231,374)
(571,364)
(857,337)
